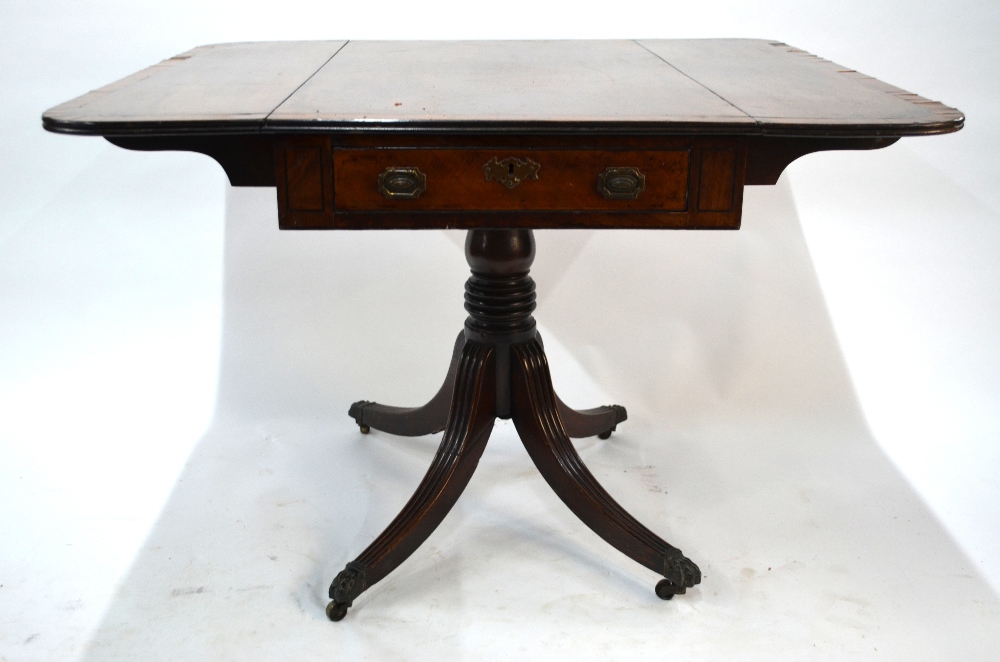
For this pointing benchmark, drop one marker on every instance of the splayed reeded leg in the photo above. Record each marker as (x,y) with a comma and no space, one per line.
(411,421)
(467,431)
(596,422)
(538,422)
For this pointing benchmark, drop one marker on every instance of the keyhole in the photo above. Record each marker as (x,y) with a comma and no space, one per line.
(510,169)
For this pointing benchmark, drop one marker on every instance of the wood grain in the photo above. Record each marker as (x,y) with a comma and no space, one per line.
(788,91)
(710,86)
(223,87)
(455,180)
(304,176)
(472,82)
(718,179)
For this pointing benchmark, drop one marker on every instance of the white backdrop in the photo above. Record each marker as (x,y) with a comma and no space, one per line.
(122,293)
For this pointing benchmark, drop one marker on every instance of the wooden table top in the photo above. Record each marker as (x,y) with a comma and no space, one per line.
(711,86)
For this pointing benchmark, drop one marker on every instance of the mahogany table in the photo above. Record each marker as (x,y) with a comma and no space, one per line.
(500,138)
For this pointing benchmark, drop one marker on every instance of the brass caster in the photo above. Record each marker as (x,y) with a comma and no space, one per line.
(336,611)
(357,412)
(666,591)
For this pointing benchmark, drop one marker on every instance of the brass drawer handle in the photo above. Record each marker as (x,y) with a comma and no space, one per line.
(621,183)
(402,183)
(510,172)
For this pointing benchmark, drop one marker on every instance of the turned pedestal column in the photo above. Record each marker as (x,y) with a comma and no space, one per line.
(499,370)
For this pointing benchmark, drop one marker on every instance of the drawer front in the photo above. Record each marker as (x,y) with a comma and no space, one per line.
(682,183)
(505,180)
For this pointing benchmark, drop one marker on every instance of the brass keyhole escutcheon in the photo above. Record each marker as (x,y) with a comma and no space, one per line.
(402,183)
(621,183)
(511,171)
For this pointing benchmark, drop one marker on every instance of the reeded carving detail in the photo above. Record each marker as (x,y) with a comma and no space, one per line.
(470,420)
(510,172)
(402,183)
(621,183)
(536,418)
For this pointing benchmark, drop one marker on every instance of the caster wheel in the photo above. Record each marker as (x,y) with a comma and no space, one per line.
(604,435)
(365,429)
(336,611)
(666,591)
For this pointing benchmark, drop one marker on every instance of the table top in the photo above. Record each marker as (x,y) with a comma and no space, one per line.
(709,86)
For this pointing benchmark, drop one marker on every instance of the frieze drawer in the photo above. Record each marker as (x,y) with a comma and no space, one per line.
(694,185)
